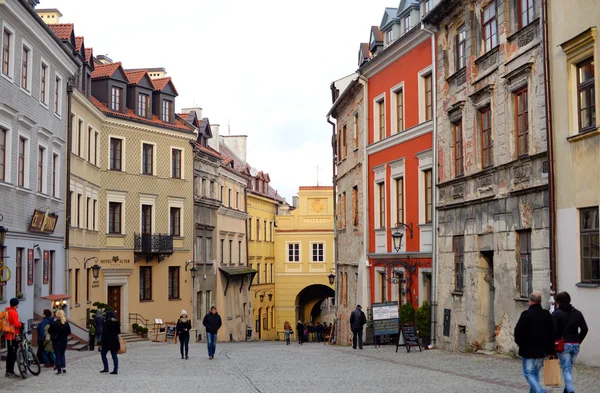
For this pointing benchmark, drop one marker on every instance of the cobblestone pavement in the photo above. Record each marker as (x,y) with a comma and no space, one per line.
(277,368)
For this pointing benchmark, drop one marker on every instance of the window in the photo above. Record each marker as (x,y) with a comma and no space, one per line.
(3,134)
(428,196)
(428,97)
(175,221)
(78,215)
(173,282)
(239,252)
(459,168)
(590,245)
(22,161)
(167,108)
(338,145)
(525,11)
(526,270)
(342,210)
(80,138)
(458,247)
(344,140)
(57,95)
(26,61)
(461,43)
(490,28)
(88,206)
(258,228)
(427,6)
(147,159)
(6,52)
(116,99)
(522,122)
(355,206)
(250,228)
(381,117)
(114,217)
(390,36)
(19,271)
(265,230)
(586,98)
(230,251)
(146,219)
(293,252)
(40,182)
(487,157)
(208,250)
(265,271)
(143,105)
(400,199)
(399,110)
(272,277)
(222,250)
(355,139)
(381,194)
(176,163)
(258,273)
(116,146)
(89,147)
(77,286)
(317,252)
(94,203)
(55,173)
(96,148)
(145,283)
(222,193)
(407,24)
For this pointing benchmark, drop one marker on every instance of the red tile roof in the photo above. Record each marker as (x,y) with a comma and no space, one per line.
(130,114)
(105,70)
(184,116)
(88,54)
(160,83)
(78,43)
(62,30)
(208,150)
(135,77)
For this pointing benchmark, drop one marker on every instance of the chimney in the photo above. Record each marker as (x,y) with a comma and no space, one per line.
(295,201)
(197,111)
(237,144)
(104,59)
(49,15)
(214,141)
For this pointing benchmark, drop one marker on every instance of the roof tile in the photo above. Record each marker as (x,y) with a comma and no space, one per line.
(134,77)
(105,70)
(78,43)
(62,30)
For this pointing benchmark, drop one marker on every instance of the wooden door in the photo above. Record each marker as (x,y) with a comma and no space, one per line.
(114,300)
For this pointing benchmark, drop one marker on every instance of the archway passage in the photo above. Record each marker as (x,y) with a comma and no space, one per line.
(310,302)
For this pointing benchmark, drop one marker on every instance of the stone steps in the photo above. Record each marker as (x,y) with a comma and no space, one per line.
(132,338)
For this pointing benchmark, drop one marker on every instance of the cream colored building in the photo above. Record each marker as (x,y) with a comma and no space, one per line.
(573,55)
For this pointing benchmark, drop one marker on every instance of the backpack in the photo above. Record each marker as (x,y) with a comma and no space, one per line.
(5,327)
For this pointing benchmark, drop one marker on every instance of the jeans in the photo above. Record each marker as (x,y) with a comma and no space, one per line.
(357,336)
(531,371)
(49,356)
(300,337)
(319,337)
(211,341)
(11,356)
(184,341)
(566,359)
(287,336)
(115,358)
(59,352)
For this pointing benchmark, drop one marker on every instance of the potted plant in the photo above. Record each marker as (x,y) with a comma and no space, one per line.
(20,295)
(144,331)
(407,313)
(422,323)
(135,327)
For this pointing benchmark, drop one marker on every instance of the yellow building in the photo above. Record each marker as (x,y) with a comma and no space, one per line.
(304,258)
(263,206)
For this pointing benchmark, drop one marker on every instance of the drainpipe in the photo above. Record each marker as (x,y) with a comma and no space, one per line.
(550,139)
(251,317)
(434,175)
(335,234)
(70,83)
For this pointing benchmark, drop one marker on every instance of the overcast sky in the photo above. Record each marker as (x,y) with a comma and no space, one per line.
(263,66)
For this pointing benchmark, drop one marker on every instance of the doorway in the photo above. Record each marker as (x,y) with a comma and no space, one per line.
(114,300)
(487,296)
(258,330)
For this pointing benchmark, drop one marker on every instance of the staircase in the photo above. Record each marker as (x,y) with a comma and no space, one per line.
(76,344)
(132,338)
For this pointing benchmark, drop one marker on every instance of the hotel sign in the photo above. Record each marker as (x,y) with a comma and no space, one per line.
(43,222)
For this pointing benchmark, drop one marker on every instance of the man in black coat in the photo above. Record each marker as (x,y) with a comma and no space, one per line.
(357,321)
(534,334)
(212,322)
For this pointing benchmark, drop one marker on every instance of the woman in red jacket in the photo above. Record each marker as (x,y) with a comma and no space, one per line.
(11,342)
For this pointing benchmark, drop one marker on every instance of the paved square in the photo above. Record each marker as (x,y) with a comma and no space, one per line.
(274,367)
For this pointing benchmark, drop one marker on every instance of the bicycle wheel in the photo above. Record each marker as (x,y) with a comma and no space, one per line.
(21,363)
(33,363)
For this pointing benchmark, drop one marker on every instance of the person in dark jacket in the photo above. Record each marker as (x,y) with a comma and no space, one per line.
(60,330)
(534,334)
(357,321)
(99,321)
(212,322)
(319,331)
(184,325)
(300,330)
(569,324)
(110,342)
(41,331)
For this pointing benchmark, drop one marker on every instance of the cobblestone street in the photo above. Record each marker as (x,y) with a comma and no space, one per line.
(275,367)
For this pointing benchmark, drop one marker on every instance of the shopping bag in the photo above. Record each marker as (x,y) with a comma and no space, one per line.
(552,372)
(122,346)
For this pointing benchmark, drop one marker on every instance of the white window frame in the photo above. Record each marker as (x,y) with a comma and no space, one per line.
(60,94)
(123,153)
(27,160)
(422,74)
(146,199)
(27,89)
(390,36)
(56,185)
(287,251)
(406,28)
(177,203)
(47,153)
(397,172)
(154,151)
(8,151)
(378,178)
(394,104)
(312,259)
(376,101)
(11,64)
(118,197)
(425,164)
(182,163)
(80,141)
(46,102)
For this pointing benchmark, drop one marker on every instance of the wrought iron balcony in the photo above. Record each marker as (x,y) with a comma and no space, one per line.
(153,245)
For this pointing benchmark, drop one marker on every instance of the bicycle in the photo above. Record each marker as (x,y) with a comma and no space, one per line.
(26,357)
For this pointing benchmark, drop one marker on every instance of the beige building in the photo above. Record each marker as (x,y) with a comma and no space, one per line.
(573,52)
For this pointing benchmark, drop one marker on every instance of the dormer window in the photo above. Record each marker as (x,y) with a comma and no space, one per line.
(143,105)
(390,36)
(167,108)
(407,25)
(116,99)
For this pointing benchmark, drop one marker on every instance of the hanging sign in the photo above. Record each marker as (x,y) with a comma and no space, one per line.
(41,221)
(46,264)
(30,266)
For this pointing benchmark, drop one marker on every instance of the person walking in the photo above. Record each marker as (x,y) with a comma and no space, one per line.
(311,332)
(319,331)
(11,333)
(41,331)
(357,321)
(110,342)
(287,329)
(570,326)
(60,330)
(99,322)
(184,325)
(534,334)
(300,331)
(212,322)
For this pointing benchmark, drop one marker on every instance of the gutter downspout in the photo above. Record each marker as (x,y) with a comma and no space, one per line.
(550,139)
(247,256)
(335,234)
(434,224)
(70,83)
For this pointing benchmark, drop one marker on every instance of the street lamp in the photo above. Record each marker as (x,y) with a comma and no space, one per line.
(95,269)
(397,236)
(261,294)
(3,231)
(193,270)
(331,276)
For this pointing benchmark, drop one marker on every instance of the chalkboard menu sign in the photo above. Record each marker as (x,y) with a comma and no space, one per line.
(170,332)
(385,318)
(409,337)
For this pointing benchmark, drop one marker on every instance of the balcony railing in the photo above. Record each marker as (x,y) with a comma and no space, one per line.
(153,245)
